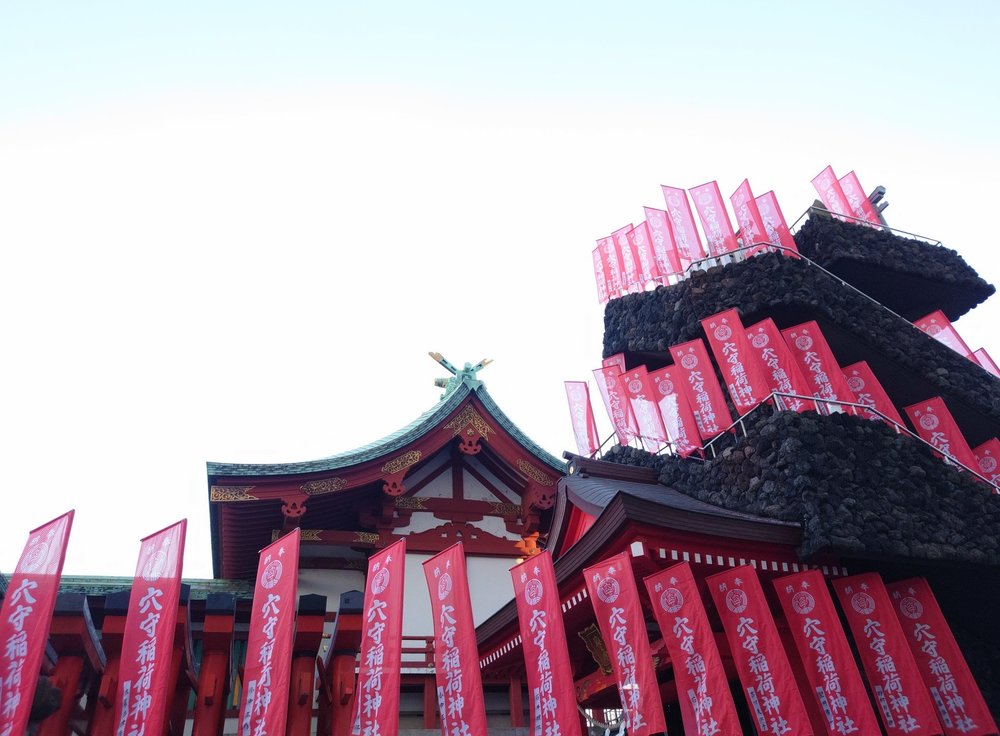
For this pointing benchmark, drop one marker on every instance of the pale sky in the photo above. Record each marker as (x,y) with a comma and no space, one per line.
(232,231)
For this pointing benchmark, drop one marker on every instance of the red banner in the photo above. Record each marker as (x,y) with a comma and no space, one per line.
(682,225)
(830,193)
(752,230)
(546,654)
(779,367)
(601,277)
(618,359)
(642,245)
(612,262)
(857,200)
(714,219)
(376,706)
(678,419)
(744,378)
(755,644)
(264,703)
(144,686)
(988,460)
(935,424)
(701,387)
(960,704)
(865,386)
(630,260)
(668,259)
(456,658)
(25,618)
(815,359)
(829,664)
(609,383)
(777,230)
(988,364)
(615,598)
(645,407)
(581,413)
(938,326)
(902,699)
(702,689)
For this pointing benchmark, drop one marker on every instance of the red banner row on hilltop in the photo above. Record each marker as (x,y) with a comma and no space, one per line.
(667,242)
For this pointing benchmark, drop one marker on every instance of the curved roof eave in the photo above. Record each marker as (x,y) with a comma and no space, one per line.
(395,441)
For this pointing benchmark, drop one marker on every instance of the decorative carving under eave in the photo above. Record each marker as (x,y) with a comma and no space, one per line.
(402,462)
(470,443)
(319,487)
(541,498)
(393,487)
(499,508)
(293,508)
(412,503)
(529,545)
(534,473)
(595,645)
(367,537)
(225,494)
(311,535)
(469,416)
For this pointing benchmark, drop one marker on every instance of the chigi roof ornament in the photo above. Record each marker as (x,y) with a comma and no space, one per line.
(461,375)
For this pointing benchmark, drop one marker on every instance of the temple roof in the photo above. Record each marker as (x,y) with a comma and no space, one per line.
(464,385)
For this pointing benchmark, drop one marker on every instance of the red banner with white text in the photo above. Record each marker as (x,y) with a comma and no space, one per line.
(935,424)
(639,389)
(900,696)
(959,702)
(612,263)
(987,363)
(777,230)
(817,363)
(988,460)
(456,658)
(744,378)
(678,419)
(682,225)
(144,685)
(376,705)
(748,218)
(609,383)
(642,245)
(618,359)
(702,688)
(25,619)
(630,260)
(546,655)
(711,209)
(868,391)
(581,413)
(668,258)
(615,598)
(601,277)
(754,642)
(264,703)
(779,367)
(831,194)
(857,200)
(696,374)
(937,325)
(826,655)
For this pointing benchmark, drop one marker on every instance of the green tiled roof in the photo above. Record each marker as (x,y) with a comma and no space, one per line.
(200,588)
(427,421)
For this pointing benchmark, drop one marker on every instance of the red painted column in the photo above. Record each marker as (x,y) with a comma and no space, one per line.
(180,662)
(308,637)
(103,716)
(516,703)
(74,639)
(339,664)
(213,678)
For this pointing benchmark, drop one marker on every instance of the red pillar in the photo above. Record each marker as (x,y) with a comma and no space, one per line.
(103,715)
(74,638)
(308,637)
(339,664)
(213,678)
(180,664)
(516,703)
